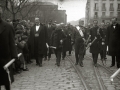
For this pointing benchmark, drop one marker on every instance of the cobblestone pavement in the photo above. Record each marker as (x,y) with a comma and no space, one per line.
(48,77)
(89,74)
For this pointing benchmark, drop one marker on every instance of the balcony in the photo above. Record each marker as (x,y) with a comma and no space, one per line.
(103,9)
(96,9)
(118,9)
(111,9)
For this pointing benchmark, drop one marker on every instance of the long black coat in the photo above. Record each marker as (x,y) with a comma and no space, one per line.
(49,31)
(113,40)
(96,46)
(43,39)
(57,35)
(7,50)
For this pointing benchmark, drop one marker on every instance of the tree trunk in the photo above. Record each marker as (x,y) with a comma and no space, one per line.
(14,16)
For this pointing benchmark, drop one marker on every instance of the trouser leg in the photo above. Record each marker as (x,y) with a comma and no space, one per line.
(58,55)
(40,59)
(118,61)
(70,52)
(95,57)
(101,54)
(81,59)
(113,61)
(77,53)
(63,54)
(7,87)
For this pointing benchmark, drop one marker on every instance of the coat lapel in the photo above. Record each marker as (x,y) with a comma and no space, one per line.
(40,28)
(2,27)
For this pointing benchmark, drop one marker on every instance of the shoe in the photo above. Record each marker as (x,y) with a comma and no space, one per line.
(48,59)
(95,65)
(40,65)
(76,63)
(69,54)
(105,57)
(112,65)
(26,69)
(36,63)
(81,65)
(58,65)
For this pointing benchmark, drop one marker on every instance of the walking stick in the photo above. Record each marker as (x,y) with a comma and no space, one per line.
(7,66)
(91,43)
(88,39)
(115,74)
(53,47)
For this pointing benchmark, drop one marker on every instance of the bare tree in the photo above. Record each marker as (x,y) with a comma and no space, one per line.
(16,6)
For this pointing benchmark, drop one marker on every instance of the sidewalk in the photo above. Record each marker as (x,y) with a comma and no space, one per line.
(48,77)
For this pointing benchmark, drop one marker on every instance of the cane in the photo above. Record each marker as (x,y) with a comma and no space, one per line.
(88,39)
(91,43)
(53,47)
(114,75)
(7,66)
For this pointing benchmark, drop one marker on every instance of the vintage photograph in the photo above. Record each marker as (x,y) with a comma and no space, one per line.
(59,44)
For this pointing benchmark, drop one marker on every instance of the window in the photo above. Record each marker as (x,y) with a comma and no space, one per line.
(103,7)
(111,7)
(103,14)
(118,14)
(96,6)
(111,14)
(96,14)
(118,6)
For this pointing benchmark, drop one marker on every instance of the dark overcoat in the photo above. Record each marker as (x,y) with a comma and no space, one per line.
(7,50)
(113,40)
(42,40)
(57,35)
(96,46)
(49,31)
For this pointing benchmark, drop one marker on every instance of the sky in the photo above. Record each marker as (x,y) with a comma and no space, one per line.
(75,9)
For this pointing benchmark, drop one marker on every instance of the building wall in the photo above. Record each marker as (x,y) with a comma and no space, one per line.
(103,15)
(45,13)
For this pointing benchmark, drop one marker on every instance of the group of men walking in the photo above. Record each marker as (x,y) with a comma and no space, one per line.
(45,40)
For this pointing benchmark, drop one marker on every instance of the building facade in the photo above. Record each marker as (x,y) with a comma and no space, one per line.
(45,11)
(102,10)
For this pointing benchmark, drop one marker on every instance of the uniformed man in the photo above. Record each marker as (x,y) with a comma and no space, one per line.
(57,40)
(95,48)
(103,47)
(76,39)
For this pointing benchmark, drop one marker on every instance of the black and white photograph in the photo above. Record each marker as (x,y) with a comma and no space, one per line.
(59,44)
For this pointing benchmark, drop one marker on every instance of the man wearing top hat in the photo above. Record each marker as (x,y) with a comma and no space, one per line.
(38,41)
(7,50)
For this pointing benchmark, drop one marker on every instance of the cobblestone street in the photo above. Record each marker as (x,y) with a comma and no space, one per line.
(52,77)
(48,77)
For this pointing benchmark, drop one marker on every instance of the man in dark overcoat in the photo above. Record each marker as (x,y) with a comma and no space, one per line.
(103,47)
(113,41)
(7,50)
(38,41)
(95,48)
(57,40)
(50,29)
